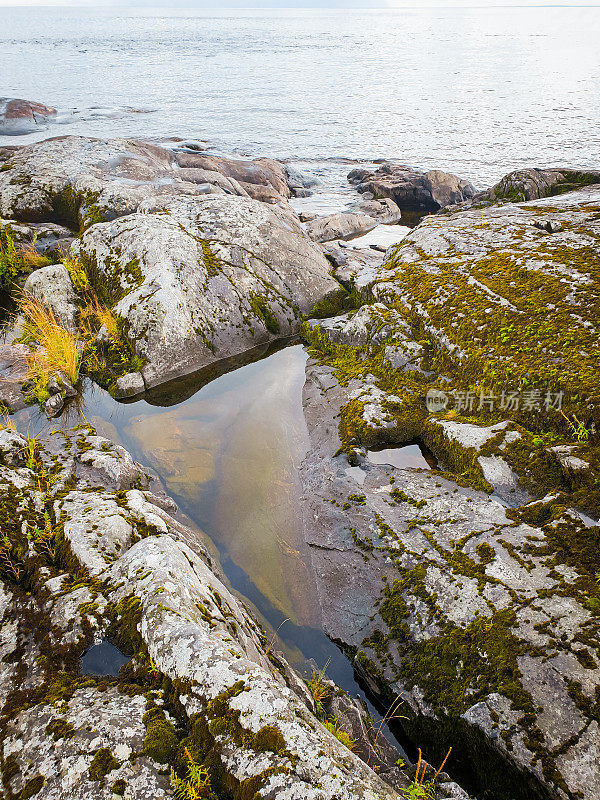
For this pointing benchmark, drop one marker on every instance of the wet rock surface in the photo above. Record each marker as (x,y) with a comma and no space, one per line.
(18,117)
(469,591)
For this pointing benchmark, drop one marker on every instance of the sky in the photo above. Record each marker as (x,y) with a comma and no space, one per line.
(298,3)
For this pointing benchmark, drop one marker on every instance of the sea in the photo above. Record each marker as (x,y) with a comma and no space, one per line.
(475,91)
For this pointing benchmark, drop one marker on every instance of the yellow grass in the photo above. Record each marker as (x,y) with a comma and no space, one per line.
(59,349)
(31,258)
(77,273)
(101,316)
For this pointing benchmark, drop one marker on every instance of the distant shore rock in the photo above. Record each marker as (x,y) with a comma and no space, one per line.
(416,193)
(18,117)
(82,180)
(533,184)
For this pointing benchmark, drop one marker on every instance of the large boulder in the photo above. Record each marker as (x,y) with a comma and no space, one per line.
(18,117)
(205,278)
(262,179)
(415,192)
(533,183)
(52,286)
(339,226)
(81,180)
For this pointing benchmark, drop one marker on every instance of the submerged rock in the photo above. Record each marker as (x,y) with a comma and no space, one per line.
(18,117)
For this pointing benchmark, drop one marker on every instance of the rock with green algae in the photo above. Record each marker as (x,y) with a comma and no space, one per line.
(507,306)
(202,681)
(486,621)
(533,184)
(482,621)
(82,180)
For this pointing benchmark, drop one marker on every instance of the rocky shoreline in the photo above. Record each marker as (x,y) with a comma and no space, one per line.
(467,591)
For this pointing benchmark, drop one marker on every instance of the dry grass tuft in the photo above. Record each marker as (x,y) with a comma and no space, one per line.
(59,349)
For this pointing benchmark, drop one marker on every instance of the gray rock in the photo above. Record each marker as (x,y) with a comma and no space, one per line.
(84,180)
(13,373)
(385,210)
(371,325)
(299,180)
(415,192)
(54,405)
(52,286)
(414,540)
(197,634)
(59,383)
(231,273)
(129,385)
(406,355)
(533,184)
(339,226)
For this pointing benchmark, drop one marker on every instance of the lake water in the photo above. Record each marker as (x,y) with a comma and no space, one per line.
(472,90)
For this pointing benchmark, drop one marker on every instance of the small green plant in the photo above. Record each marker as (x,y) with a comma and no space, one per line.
(16,259)
(77,273)
(419,788)
(577,428)
(196,783)
(332,726)
(319,690)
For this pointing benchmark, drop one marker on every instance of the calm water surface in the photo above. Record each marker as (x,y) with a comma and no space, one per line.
(228,454)
(475,91)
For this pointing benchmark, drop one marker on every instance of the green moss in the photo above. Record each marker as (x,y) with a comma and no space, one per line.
(161,741)
(269,738)
(333,304)
(119,787)
(211,263)
(60,729)
(261,309)
(32,787)
(102,763)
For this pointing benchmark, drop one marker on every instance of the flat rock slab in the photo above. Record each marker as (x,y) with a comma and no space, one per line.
(468,614)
